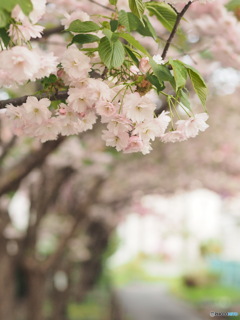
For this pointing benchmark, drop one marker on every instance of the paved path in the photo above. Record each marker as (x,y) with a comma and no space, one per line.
(152,302)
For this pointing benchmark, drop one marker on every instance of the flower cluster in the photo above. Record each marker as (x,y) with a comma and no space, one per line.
(115,89)
(130,118)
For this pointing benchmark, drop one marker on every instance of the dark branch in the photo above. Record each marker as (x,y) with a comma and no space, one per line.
(62,95)
(174,30)
(48,32)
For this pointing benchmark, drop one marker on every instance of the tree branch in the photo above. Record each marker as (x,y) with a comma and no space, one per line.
(48,32)
(62,95)
(175,27)
(6,148)
(11,178)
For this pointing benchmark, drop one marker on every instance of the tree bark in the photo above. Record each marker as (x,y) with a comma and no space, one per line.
(35,295)
(7,283)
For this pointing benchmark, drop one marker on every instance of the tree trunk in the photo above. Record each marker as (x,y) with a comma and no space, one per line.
(35,295)
(7,284)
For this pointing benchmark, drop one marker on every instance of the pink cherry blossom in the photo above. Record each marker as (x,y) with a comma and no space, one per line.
(106,109)
(37,110)
(120,140)
(191,127)
(24,31)
(79,99)
(48,130)
(173,136)
(20,63)
(135,144)
(75,63)
(138,108)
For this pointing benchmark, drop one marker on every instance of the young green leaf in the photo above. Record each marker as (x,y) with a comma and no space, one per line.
(111,53)
(25,5)
(155,81)
(147,29)
(83,26)
(162,72)
(163,12)
(114,25)
(198,83)
(128,20)
(84,38)
(132,55)
(137,7)
(4,18)
(4,36)
(184,99)
(132,41)
(180,73)
(113,2)
(233,5)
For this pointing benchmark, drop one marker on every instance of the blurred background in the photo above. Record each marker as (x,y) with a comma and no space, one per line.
(88,233)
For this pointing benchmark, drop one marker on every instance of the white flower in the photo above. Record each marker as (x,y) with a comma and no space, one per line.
(173,136)
(105,109)
(120,140)
(48,130)
(87,122)
(24,31)
(20,63)
(193,125)
(158,59)
(138,108)
(79,99)
(76,64)
(37,110)
(163,121)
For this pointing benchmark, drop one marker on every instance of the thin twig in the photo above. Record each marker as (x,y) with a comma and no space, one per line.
(175,27)
(102,5)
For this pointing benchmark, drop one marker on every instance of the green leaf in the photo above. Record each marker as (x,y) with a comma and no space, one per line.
(180,73)
(132,41)
(26,6)
(137,7)
(233,5)
(162,72)
(84,38)
(198,83)
(113,2)
(128,20)
(108,33)
(4,36)
(154,80)
(4,18)
(114,25)
(48,81)
(112,54)
(163,12)
(132,55)
(184,99)
(8,5)
(83,26)
(147,29)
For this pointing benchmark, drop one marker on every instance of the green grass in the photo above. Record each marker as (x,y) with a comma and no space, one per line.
(88,311)
(212,293)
